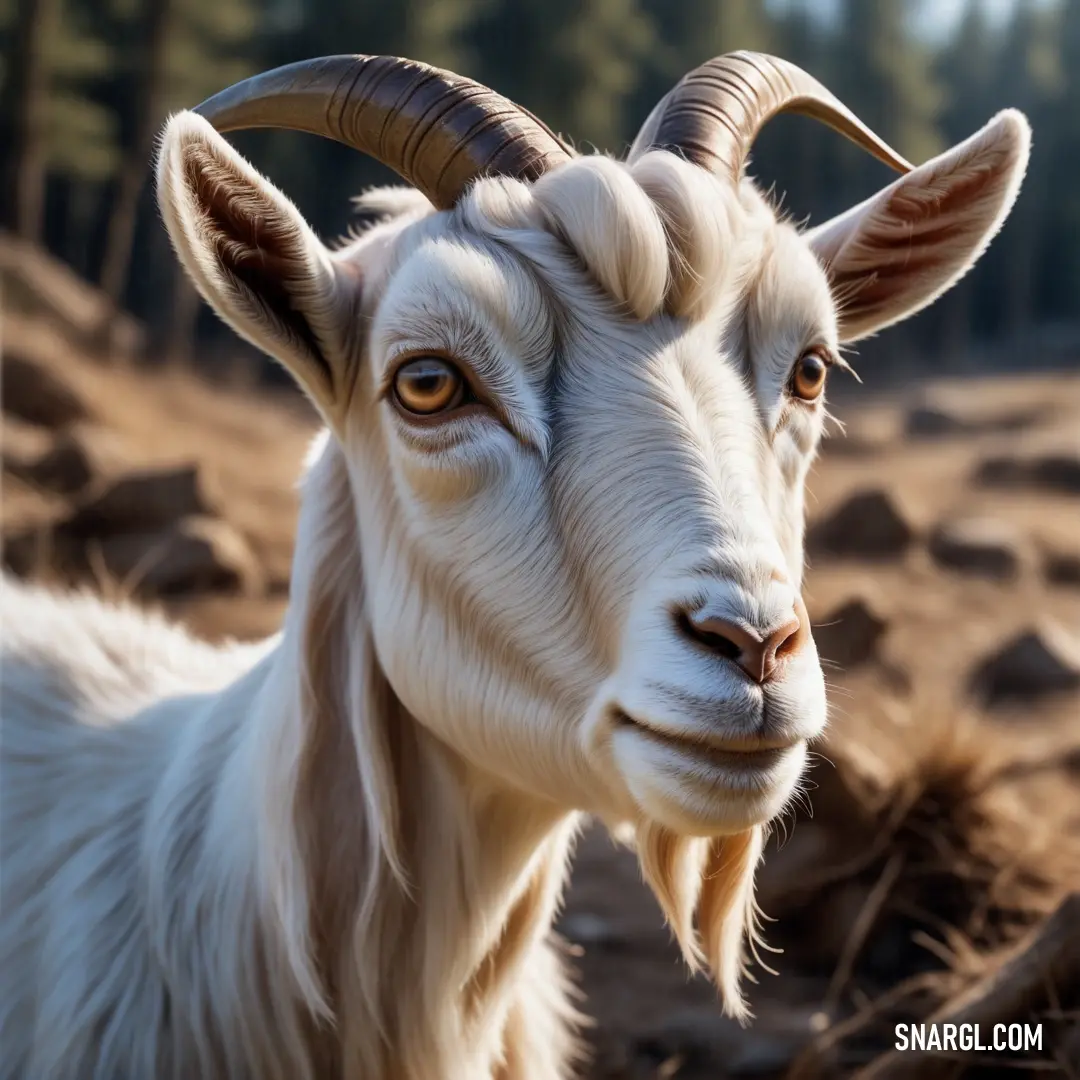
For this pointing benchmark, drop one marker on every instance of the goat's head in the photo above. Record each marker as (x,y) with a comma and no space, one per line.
(578,399)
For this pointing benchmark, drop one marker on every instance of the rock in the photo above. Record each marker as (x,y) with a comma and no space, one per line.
(145,502)
(982,547)
(703,1040)
(28,552)
(1000,471)
(71,463)
(1057,472)
(22,443)
(1037,662)
(849,635)
(926,421)
(196,555)
(850,446)
(33,393)
(40,288)
(65,469)
(1061,567)
(929,421)
(77,459)
(867,524)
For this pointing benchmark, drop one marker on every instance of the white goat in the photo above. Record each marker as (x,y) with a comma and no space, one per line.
(548,563)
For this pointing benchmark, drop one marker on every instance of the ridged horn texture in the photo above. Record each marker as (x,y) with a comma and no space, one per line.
(713,114)
(435,129)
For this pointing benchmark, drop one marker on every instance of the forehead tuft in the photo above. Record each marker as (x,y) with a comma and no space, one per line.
(655,235)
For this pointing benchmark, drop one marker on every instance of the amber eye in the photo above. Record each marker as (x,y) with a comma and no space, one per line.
(428,385)
(808,378)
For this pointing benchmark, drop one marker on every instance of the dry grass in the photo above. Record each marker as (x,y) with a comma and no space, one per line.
(940,835)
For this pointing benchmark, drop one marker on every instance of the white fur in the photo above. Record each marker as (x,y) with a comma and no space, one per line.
(339,853)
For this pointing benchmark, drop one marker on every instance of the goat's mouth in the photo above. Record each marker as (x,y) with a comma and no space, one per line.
(726,755)
(704,788)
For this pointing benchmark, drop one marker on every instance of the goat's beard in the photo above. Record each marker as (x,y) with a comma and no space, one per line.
(712,878)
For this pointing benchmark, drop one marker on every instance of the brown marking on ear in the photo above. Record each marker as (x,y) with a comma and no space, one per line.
(909,267)
(917,230)
(962,190)
(891,240)
(253,245)
(897,252)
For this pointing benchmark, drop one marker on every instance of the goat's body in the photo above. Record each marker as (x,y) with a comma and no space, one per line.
(101,707)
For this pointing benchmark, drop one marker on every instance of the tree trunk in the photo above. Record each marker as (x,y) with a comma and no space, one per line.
(174,322)
(28,106)
(123,218)
(183,322)
(956,316)
(1019,267)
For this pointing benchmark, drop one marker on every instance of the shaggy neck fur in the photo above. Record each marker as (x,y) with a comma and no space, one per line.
(393,863)
(281,874)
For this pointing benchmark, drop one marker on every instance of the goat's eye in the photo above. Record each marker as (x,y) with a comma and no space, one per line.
(428,385)
(808,378)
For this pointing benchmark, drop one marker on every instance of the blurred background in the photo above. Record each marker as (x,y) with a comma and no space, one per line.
(149,454)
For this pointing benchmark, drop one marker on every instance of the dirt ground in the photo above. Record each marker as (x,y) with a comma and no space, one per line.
(946,803)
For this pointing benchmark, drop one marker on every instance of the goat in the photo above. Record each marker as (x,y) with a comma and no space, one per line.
(548,565)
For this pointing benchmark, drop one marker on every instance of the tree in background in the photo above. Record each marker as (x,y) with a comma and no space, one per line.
(878,64)
(573,64)
(148,79)
(688,34)
(81,102)
(27,78)
(50,122)
(1050,40)
(966,65)
(176,53)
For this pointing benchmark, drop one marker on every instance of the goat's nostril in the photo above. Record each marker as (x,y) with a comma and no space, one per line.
(715,634)
(779,644)
(759,655)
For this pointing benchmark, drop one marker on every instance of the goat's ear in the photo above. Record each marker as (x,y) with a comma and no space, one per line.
(254,259)
(894,254)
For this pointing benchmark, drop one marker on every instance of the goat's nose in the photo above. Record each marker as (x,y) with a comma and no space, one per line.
(758,654)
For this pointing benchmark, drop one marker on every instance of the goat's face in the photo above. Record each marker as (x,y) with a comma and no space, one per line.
(578,417)
(568,494)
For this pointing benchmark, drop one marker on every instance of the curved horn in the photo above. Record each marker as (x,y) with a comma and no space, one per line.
(437,130)
(713,115)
